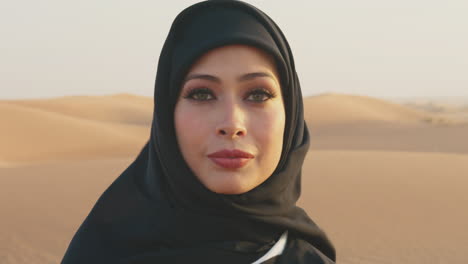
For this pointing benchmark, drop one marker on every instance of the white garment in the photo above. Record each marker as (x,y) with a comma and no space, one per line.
(276,250)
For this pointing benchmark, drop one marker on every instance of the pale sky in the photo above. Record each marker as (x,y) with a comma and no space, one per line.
(379,48)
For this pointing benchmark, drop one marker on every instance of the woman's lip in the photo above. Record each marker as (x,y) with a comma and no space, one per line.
(230,163)
(231,154)
(231,159)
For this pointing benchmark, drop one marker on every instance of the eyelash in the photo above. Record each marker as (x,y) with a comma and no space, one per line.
(255,91)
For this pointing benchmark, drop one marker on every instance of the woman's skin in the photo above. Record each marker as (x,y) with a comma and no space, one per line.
(231,99)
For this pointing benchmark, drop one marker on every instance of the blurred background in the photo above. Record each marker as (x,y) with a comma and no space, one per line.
(398,48)
(385,88)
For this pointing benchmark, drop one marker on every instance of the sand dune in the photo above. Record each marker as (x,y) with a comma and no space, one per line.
(391,136)
(35,135)
(43,204)
(338,121)
(120,108)
(386,181)
(449,111)
(378,207)
(343,109)
(390,207)
(101,126)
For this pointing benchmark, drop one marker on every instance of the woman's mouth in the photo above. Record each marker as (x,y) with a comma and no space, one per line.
(231,159)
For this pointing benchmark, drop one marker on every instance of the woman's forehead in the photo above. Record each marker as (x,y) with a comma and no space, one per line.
(242,59)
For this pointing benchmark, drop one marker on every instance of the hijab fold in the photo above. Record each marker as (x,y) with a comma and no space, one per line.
(157,211)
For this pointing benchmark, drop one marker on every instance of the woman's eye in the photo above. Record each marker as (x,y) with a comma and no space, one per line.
(259,95)
(202,94)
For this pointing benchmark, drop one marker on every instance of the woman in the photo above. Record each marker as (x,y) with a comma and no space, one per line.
(218,180)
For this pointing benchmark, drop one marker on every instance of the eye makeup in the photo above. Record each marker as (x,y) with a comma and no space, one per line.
(260,94)
(199,94)
(257,94)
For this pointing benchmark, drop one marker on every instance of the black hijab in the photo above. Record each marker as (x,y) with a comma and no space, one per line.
(157,211)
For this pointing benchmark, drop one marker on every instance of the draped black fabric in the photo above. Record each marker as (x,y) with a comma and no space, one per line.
(157,211)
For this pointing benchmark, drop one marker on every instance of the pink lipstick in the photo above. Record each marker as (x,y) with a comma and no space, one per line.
(231,159)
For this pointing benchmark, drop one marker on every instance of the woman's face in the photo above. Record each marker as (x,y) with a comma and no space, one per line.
(230,118)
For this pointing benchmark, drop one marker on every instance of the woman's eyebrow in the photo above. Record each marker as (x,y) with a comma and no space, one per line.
(253,75)
(244,77)
(203,77)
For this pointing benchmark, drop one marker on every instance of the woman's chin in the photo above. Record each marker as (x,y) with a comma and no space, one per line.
(228,184)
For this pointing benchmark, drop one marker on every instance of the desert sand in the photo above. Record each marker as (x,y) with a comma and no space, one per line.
(386,181)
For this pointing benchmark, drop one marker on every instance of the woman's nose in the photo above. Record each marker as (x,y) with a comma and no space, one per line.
(232,122)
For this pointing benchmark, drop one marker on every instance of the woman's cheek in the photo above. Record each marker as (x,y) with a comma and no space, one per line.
(191,124)
(268,127)
(274,128)
(275,119)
